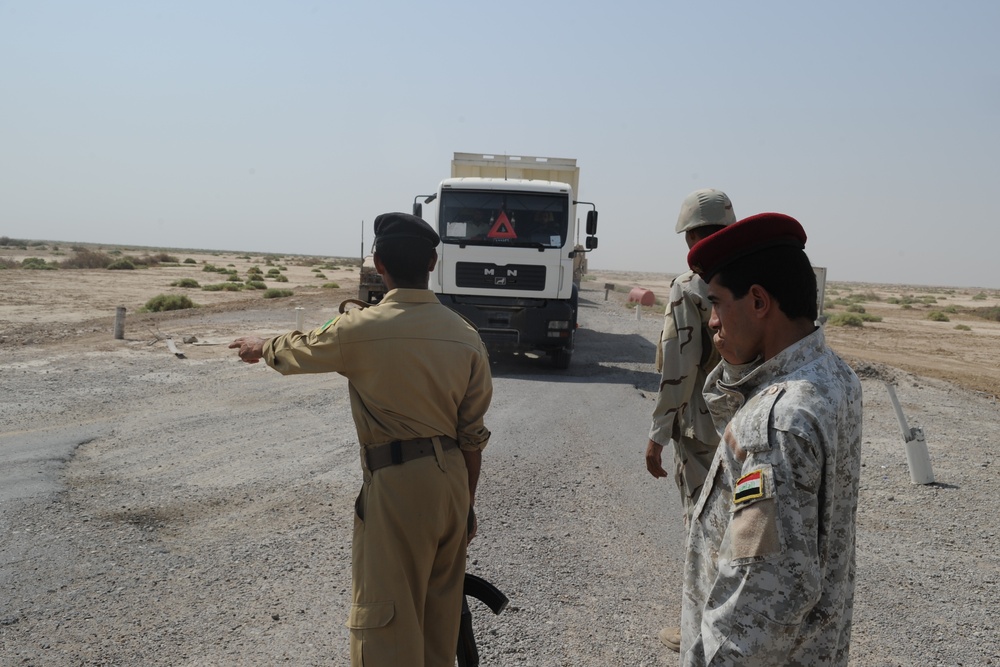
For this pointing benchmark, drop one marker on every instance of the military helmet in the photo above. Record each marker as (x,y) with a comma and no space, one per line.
(705,207)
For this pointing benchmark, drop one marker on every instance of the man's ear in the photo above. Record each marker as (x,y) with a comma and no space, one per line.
(433,262)
(760,299)
(379,266)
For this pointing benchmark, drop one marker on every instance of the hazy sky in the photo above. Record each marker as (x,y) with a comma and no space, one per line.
(281,126)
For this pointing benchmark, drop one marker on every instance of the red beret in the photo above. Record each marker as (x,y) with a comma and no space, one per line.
(749,235)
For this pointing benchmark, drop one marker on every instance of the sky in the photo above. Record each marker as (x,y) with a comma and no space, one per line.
(286,127)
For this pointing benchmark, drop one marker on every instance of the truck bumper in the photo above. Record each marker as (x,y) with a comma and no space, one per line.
(517,323)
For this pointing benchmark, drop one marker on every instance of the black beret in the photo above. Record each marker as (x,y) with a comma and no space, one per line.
(404,226)
(743,238)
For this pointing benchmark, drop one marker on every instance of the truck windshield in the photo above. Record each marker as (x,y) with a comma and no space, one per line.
(503,218)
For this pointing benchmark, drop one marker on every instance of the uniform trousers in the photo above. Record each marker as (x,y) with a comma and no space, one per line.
(692,461)
(410,536)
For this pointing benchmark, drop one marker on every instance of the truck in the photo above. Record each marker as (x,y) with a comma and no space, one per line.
(371,288)
(510,260)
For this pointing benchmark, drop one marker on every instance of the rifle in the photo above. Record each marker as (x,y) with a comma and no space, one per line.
(492,597)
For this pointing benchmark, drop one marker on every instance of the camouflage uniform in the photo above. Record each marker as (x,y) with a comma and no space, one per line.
(769,577)
(684,357)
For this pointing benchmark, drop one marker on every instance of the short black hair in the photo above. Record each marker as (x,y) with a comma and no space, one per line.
(406,260)
(784,271)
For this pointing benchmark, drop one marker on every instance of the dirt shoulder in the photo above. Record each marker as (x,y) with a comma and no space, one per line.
(961,349)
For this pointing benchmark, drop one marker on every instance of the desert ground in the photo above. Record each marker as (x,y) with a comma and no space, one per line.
(193,510)
(77,306)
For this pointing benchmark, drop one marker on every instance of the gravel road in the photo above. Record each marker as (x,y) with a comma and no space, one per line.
(197,511)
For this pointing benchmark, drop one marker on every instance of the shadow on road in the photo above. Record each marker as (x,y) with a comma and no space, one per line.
(599,357)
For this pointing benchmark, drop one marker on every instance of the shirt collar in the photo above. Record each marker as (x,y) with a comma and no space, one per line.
(408,295)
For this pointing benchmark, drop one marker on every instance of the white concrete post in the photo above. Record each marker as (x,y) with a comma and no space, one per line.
(120,322)
(918,459)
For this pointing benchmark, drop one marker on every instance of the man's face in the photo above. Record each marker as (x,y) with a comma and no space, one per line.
(737,334)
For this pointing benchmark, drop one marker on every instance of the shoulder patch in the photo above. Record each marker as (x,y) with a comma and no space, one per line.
(749,487)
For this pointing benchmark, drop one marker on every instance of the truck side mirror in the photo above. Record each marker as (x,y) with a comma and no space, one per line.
(591,242)
(592,224)
(418,209)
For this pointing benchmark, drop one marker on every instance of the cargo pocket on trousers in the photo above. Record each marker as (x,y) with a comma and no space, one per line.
(370,615)
(372,635)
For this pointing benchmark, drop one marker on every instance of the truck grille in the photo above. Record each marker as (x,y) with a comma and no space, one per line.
(508,277)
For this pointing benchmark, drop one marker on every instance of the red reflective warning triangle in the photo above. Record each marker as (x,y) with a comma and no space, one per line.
(502,229)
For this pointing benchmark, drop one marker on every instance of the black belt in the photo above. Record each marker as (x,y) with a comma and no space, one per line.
(401,451)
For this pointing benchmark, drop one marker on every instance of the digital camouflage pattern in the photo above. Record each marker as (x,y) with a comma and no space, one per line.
(684,358)
(769,576)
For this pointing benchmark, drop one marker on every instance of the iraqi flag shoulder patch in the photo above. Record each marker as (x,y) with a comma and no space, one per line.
(749,487)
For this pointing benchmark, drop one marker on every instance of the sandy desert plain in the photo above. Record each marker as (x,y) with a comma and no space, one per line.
(76,307)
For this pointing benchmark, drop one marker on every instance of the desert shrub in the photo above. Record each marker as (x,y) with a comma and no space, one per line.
(164,258)
(979,297)
(829,304)
(6,263)
(963,327)
(315,270)
(845,320)
(275,293)
(37,263)
(893,300)
(234,278)
(186,282)
(855,308)
(321,276)
(256,284)
(273,272)
(988,313)
(223,287)
(87,259)
(163,302)
(279,278)
(937,316)
(951,310)
(123,264)
(190,260)
(907,306)
(331,286)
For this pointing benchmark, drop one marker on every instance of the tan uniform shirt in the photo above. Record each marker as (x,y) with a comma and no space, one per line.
(447,393)
(684,357)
